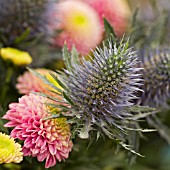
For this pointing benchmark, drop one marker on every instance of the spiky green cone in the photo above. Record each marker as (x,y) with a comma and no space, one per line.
(19,16)
(156,75)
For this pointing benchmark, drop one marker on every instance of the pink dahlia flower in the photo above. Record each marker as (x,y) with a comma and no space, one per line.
(79,24)
(117,12)
(28,82)
(45,139)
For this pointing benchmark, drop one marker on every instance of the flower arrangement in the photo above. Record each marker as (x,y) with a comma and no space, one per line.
(81,80)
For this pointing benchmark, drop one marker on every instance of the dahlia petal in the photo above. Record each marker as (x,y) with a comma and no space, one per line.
(36,124)
(25,125)
(55,134)
(28,143)
(64,154)
(41,132)
(50,161)
(30,129)
(26,151)
(58,156)
(35,151)
(40,141)
(15,133)
(41,156)
(34,134)
(52,149)
(48,135)
(11,116)
(44,148)
(11,124)
(48,129)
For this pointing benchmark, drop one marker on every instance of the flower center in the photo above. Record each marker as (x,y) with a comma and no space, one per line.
(79,20)
(6,146)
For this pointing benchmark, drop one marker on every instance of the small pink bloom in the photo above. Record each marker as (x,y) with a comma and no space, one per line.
(28,82)
(79,24)
(117,12)
(47,140)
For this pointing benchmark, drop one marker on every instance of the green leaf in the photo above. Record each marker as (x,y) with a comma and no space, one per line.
(163,130)
(44,78)
(140,130)
(23,36)
(109,29)
(67,98)
(127,147)
(141,112)
(75,56)
(67,58)
(141,109)
(50,97)
(134,17)
(60,106)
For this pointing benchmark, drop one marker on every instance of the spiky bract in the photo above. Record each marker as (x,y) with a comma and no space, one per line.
(156,75)
(103,89)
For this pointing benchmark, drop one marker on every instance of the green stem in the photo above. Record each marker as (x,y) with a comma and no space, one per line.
(6,84)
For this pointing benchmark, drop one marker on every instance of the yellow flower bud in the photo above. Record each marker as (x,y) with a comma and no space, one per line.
(16,56)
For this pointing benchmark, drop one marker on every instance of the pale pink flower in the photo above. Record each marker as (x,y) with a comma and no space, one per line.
(117,12)
(47,140)
(28,82)
(79,24)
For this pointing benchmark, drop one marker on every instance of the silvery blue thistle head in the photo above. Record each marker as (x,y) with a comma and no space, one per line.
(102,89)
(98,94)
(156,75)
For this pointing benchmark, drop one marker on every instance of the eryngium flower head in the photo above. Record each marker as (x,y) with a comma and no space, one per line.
(101,90)
(10,150)
(44,139)
(156,75)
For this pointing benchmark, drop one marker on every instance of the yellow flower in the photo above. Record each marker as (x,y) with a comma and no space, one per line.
(16,56)
(9,150)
